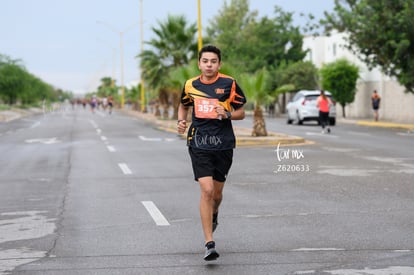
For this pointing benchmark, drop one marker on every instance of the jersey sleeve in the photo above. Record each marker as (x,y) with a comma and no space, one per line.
(186,99)
(237,97)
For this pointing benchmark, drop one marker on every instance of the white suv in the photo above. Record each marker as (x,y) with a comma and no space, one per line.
(303,107)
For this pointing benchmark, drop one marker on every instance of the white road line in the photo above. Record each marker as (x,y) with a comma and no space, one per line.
(149,139)
(320,134)
(405,134)
(100,113)
(43,140)
(93,124)
(156,139)
(318,249)
(359,133)
(111,148)
(124,168)
(35,125)
(155,213)
(103,138)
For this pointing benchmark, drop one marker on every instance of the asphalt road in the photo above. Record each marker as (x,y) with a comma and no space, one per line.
(84,193)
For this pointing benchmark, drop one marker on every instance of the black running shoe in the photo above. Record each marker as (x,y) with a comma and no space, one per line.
(211,253)
(215,221)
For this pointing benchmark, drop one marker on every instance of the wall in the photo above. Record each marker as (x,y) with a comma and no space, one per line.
(396,105)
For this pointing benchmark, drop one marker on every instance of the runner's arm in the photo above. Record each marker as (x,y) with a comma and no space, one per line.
(182,118)
(238,114)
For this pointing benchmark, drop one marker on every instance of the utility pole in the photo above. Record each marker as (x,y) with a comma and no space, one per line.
(142,49)
(121,35)
(200,38)
(113,61)
(121,45)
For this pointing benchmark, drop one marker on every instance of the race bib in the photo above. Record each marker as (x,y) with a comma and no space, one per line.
(205,107)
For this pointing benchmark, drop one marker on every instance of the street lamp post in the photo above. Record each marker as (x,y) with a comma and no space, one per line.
(200,38)
(113,68)
(142,49)
(113,61)
(121,45)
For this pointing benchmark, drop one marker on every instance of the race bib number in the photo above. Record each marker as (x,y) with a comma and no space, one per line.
(205,107)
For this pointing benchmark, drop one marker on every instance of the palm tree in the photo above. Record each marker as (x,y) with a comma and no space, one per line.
(255,88)
(174,46)
(178,76)
(107,87)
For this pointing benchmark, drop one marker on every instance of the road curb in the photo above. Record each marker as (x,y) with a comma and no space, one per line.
(272,140)
(384,124)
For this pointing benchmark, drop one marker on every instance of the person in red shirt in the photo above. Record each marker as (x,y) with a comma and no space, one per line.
(323,103)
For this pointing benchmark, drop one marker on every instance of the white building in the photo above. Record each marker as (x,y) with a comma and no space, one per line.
(396,105)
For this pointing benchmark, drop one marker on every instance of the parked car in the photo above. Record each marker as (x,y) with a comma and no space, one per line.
(303,107)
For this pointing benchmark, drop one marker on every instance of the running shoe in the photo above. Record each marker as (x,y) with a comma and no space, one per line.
(211,253)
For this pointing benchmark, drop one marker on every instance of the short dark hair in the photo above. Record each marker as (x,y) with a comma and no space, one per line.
(210,49)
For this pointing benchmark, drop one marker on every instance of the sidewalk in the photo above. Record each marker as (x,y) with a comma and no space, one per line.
(9,115)
(382,124)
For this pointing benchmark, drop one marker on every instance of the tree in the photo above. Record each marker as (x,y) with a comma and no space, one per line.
(174,46)
(256,89)
(227,30)
(380,32)
(251,43)
(340,79)
(133,96)
(17,85)
(12,82)
(35,90)
(302,75)
(178,76)
(107,87)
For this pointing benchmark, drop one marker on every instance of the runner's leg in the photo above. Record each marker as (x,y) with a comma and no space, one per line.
(217,195)
(206,206)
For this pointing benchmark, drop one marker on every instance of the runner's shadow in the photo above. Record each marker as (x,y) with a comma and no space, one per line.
(211,266)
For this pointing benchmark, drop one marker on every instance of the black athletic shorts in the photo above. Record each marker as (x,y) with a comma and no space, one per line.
(211,163)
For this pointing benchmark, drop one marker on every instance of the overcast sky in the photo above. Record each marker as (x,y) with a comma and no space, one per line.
(61,42)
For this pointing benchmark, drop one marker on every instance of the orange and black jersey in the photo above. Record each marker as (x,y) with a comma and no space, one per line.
(212,133)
